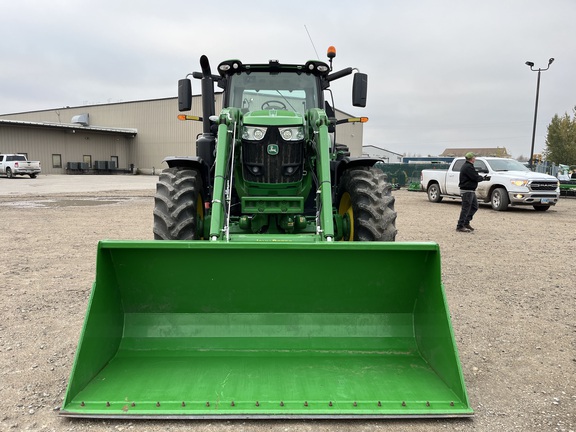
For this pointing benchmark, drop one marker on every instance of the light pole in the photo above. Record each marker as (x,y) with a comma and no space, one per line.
(531,64)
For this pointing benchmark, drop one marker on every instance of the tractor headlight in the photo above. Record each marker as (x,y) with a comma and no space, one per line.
(252,133)
(517,182)
(292,133)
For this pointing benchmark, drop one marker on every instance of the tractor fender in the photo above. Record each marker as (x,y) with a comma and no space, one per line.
(337,168)
(194,162)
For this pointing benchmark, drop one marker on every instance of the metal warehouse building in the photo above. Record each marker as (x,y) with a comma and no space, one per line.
(117,137)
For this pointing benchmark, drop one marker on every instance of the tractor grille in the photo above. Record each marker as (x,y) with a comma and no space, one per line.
(543,185)
(272,160)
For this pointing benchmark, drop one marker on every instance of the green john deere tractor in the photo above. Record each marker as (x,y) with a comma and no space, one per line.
(267,167)
(276,289)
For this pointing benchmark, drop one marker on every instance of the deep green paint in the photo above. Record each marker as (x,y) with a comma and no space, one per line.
(229,119)
(271,198)
(273,118)
(222,326)
(273,204)
(318,121)
(247,188)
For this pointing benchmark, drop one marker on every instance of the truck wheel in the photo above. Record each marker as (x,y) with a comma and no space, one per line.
(9,173)
(364,198)
(178,205)
(541,207)
(434,193)
(32,175)
(499,199)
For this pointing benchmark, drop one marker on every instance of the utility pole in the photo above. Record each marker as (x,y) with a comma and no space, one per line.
(540,70)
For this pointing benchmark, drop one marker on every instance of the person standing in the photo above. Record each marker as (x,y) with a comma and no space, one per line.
(469,180)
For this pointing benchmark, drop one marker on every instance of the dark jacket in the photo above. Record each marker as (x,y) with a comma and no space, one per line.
(469,178)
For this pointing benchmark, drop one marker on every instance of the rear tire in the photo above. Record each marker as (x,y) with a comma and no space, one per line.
(499,199)
(179,205)
(9,173)
(32,175)
(342,151)
(434,193)
(364,196)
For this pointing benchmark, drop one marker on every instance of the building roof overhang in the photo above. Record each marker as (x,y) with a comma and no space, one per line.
(71,127)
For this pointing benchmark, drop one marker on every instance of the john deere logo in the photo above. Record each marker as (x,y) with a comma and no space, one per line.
(272,149)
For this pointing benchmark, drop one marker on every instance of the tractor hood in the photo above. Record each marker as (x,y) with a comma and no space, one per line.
(273,118)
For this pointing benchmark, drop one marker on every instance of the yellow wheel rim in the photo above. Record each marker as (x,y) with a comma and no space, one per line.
(345,210)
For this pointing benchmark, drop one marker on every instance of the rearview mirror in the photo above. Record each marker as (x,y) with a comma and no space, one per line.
(360,89)
(184,95)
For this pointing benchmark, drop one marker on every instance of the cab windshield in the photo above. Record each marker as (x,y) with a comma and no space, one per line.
(279,91)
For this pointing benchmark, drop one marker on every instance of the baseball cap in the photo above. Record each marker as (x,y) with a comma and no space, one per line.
(470,155)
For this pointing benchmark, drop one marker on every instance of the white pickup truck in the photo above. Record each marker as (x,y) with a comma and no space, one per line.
(511,183)
(17,164)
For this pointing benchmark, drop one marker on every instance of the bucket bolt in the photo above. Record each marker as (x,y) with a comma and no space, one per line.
(379,403)
(281,403)
(403,403)
(257,403)
(330,403)
(207,404)
(183,403)
(305,403)
(427,403)
(107,404)
(232,403)
(82,403)
(355,404)
(157,404)
(133,404)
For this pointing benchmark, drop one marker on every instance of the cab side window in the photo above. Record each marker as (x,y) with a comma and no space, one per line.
(480,166)
(458,165)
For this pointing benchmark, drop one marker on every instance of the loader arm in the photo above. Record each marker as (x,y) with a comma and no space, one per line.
(227,128)
(318,125)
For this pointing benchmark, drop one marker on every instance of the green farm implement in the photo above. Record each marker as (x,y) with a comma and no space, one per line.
(568,188)
(274,287)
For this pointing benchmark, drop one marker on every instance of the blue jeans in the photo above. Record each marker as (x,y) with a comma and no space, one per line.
(469,208)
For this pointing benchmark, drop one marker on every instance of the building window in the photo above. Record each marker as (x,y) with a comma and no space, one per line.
(87,159)
(56,161)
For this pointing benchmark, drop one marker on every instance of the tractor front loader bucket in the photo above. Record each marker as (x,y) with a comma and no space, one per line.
(179,329)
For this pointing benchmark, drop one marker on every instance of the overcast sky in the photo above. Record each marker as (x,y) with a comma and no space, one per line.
(442,74)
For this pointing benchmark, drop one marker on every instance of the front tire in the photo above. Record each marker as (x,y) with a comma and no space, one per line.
(434,193)
(499,199)
(32,175)
(365,199)
(179,205)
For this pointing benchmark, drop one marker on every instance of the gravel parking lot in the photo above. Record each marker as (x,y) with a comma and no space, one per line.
(510,287)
